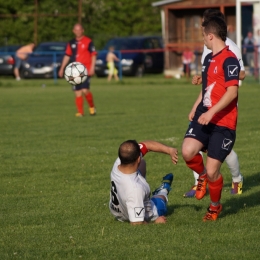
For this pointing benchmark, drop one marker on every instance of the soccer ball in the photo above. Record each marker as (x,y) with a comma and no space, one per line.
(75,73)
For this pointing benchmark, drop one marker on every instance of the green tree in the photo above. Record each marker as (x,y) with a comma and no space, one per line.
(102,19)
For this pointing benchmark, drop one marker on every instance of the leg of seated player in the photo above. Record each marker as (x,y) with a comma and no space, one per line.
(160,197)
(237,178)
(194,160)
(215,183)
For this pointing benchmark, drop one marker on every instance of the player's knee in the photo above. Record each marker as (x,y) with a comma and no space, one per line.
(212,174)
(187,153)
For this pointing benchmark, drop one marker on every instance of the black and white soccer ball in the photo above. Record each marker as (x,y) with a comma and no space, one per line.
(75,73)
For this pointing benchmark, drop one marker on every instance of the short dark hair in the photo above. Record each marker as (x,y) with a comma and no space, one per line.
(216,26)
(128,152)
(212,13)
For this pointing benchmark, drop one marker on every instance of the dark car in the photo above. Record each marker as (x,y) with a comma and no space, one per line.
(45,60)
(7,62)
(139,55)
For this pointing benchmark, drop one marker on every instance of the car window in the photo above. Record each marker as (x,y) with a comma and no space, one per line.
(156,43)
(148,44)
(50,48)
(9,48)
(124,44)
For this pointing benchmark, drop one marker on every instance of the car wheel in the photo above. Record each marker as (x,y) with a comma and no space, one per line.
(24,74)
(139,71)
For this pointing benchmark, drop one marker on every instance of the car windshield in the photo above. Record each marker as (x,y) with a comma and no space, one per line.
(9,48)
(124,44)
(49,48)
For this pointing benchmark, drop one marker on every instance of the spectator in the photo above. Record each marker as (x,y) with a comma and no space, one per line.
(232,33)
(187,58)
(111,58)
(21,55)
(257,38)
(248,50)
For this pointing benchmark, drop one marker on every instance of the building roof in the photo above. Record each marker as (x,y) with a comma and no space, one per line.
(165,2)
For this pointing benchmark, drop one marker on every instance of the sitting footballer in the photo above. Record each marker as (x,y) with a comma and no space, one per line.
(130,193)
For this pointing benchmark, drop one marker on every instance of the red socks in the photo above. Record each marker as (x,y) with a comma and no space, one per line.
(79,104)
(215,189)
(196,164)
(89,99)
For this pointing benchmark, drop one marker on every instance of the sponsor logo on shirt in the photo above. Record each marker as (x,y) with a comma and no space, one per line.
(232,70)
(210,60)
(139,212)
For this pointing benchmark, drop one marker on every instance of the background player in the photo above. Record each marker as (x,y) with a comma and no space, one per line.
(232,158)
(81,49)
(130,193)
(214,115)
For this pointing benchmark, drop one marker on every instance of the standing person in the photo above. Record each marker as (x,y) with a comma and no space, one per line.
(249,49)
(214,115)
(81,49)
(257,39)
(232,158)
(21,55)
(187,58)
(130,193)
(232,33)
(111,58)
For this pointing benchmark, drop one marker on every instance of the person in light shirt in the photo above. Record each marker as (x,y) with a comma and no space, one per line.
(130,199)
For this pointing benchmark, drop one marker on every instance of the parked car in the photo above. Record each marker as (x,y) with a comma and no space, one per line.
(7,59)
(42,62)
(141,59)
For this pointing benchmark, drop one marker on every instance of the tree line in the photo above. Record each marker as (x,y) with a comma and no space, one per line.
(102,20)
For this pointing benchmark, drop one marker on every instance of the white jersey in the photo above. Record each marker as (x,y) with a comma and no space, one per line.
(130,196)
(232,46)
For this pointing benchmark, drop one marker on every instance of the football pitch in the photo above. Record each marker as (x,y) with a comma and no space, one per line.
(55,169)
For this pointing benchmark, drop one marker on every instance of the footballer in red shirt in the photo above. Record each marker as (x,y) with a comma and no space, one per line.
(81,49)
(214,115)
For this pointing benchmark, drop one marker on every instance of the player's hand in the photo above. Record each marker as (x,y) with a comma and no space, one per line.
(191,115)
(196,80)
(205,118)
(160,220)
(60,73)
(174,155)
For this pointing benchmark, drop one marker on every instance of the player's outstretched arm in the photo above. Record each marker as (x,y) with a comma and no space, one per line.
(155,146)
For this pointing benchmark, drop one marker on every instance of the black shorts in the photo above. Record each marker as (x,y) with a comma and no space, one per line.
(217,140)
(84,85)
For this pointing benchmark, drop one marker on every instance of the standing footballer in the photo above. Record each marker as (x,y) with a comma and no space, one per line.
(81,49)
(214,114)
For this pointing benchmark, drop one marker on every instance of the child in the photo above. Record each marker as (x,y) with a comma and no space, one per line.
(111,58)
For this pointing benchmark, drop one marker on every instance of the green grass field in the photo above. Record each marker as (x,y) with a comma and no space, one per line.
(55,169)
